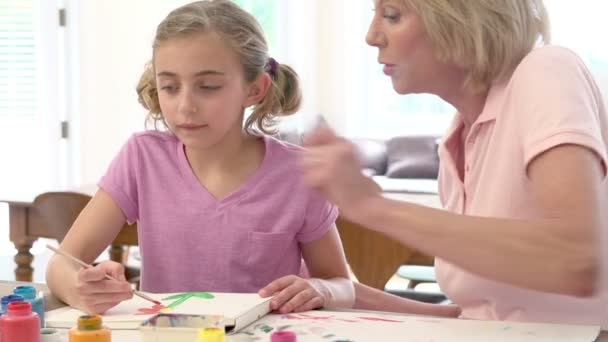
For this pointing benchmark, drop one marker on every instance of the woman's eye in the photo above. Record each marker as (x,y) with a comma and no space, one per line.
(391,15)
(168,88)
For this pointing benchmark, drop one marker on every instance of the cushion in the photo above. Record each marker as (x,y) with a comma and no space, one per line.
(412,157)
(372,155)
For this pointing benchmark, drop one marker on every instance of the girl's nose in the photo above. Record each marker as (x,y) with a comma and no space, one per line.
(187,105)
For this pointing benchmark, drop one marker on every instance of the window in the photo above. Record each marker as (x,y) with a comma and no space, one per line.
(290,30)
(581,27)
(18,67)
(29,101)
(29,94)
(377,111)
(267,14)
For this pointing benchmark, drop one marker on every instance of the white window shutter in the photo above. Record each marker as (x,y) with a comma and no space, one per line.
(18,60)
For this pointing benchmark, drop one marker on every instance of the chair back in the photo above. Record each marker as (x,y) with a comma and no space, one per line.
(374,257)
(57,211)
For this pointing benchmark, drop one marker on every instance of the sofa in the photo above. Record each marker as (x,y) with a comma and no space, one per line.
(403,164)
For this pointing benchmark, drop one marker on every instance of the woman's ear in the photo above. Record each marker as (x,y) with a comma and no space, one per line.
(258,89)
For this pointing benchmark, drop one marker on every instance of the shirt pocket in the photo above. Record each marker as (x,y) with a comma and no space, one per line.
(267,251)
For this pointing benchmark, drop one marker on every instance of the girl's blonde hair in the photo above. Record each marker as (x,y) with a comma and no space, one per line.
(487,37)
(244,34)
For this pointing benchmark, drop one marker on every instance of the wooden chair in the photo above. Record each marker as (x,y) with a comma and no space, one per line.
(57,211)
(372,256)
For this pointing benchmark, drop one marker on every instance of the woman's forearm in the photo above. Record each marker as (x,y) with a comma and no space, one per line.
(368,298)
(553,255)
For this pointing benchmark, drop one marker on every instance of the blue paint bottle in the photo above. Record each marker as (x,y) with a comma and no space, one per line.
(8,299)
(29,294)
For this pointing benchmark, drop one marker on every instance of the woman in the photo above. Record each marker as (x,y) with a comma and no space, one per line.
(523,165)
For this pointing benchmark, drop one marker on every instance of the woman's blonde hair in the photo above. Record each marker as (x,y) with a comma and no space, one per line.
(244,34)
(487,37)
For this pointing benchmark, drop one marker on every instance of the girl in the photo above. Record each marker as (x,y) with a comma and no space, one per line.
(218,207)
(523,166)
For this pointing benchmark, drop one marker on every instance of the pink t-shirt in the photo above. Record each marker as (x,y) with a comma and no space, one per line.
(550,99)
(190,241)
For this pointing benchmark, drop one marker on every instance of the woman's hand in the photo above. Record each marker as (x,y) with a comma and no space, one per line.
(95,294)
(293,294)
(331,165)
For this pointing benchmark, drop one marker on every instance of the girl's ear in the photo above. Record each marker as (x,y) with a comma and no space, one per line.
(258,90)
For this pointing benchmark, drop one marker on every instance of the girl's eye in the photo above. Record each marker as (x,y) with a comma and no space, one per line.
(210,87)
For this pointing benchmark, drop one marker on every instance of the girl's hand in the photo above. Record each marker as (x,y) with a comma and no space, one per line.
(293,294)
(331,165)
(95,294)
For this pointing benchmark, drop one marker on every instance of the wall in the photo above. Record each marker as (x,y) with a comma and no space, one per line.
(114,42)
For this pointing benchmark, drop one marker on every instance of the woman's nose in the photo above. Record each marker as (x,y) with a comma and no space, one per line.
(374,36)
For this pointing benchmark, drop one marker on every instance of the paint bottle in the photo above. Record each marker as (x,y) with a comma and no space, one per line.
(9,299)
(20,323)
(283,336)
(211,335)
(29,294)
(89,329)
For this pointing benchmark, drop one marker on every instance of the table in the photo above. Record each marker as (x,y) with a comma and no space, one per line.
(131,335)
(25,227)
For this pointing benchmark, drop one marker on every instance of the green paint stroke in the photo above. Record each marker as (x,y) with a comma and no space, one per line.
(266,328)
(182,297)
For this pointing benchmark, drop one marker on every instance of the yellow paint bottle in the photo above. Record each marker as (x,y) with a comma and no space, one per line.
(89,329)
(211,335)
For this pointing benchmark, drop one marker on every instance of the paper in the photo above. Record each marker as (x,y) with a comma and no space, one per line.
(364,326)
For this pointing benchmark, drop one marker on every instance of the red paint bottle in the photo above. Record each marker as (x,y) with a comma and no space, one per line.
(20,324)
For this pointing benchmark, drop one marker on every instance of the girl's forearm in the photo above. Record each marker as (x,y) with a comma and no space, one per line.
(61,279)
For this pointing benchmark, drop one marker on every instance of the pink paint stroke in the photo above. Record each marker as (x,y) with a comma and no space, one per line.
(150,311)
(378,319)
(305,316)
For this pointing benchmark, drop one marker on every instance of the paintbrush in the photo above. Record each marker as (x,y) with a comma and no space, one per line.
(85,265)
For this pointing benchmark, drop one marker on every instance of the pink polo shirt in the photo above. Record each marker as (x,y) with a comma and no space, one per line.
(551,99)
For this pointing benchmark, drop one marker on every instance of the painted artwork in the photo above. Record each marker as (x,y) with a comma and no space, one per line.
(129,314)
(179,299)
(362,326)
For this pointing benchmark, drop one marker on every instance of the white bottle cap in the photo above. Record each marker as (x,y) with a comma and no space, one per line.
(49,335)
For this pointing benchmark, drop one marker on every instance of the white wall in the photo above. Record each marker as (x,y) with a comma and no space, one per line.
(331,57)
(114,42)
